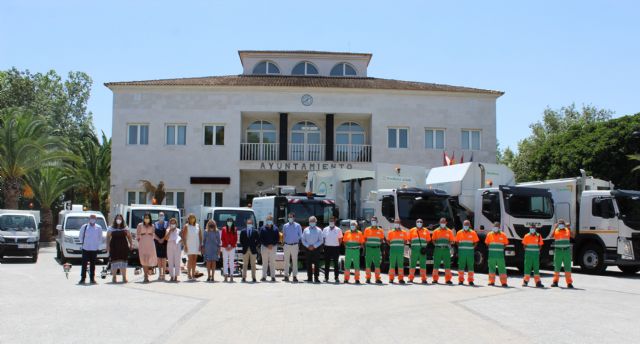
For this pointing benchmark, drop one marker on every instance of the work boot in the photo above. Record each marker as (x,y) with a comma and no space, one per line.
(460,283)
(539,285)
(504,285)
(450,283)
(368,281)
(402,281)
(425,282)
(378,281)
(526,283)
(554,285)
(492,284)
(570,286)
(471,284)
(357,281)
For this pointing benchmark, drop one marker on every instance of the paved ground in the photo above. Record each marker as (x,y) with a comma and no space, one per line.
(38,305)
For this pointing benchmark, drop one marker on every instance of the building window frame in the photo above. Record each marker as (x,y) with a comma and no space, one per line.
(271,68)
(214,134)
(397,143)
(212,198)
(343,69)
(177,196)
(469,133)
(139,197)
(173,139)
(434,139)
(305,67)
(138,132)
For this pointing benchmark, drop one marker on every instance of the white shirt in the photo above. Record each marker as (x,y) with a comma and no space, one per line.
(331,236)
(91,237)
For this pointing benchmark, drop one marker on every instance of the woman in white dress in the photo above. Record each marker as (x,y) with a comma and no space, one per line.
(192,239)
(174,249)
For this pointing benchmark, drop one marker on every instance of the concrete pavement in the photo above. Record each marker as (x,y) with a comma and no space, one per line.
(39,305)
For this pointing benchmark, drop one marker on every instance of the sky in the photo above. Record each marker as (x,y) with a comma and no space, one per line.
(541,54)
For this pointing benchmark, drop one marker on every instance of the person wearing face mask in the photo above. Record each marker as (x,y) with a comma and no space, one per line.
(192,239)
(145,233)
(90,239)
(397,238)
(269,237)
(211,243)
(532,243)
(119,242)
(562,253)
(467,239)
(312,240)
(496,242)
(291,235)
(353,240)
(373,239)
(249,240)
(442,239)
(174,250)
(161,245)
(229,244)
(332,241)
(420,238)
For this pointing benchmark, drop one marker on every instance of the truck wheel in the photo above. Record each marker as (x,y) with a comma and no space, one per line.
(481,263)
(592,259)
(629,269)
(34,257)
(58,252)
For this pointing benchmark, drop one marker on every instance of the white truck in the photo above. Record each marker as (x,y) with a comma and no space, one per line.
(68,242)
(19,233)
(605,223)
(220,215)
(285,201)
(485,193)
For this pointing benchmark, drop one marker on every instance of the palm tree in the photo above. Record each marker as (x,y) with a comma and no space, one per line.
(637,158)
(49,184)
(93,170)
(25,145)
(157,191)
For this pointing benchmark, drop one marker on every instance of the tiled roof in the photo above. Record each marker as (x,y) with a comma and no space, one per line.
(305,81)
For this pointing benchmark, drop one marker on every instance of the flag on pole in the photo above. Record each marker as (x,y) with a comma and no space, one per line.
(453,159)
(446,161)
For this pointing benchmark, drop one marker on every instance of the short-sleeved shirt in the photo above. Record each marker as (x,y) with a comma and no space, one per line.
(332,236)
(442,237)
(353,239)
(419,237)
(373,237)
(466,239)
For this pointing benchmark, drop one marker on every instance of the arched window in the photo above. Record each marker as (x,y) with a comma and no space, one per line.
(350,139)
(305,142)
(261,142)
(343,69)
(304,68)
(266,67)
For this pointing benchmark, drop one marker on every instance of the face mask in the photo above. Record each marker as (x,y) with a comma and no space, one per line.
(396,225)
(173,226)
(496,229)
(269,222)
(443,225)
(561,226)
(353,228)
(466,228)
(118,222)
(332,224)
(92,221)
(312,224)
(249,226)
(160,218)
(374,223)
(532,230)
(419,224)
(229,224)
(291,220)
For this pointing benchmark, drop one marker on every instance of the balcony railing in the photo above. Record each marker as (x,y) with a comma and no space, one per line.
(259,151)
(353,153)
(305,152)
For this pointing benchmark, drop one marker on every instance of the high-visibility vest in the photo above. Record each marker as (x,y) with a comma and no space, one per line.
(532,242)
(442,237)
(562,238)
(496,242)
(373,237)
(397,238)
(353,239)
(466,239)
(419,237)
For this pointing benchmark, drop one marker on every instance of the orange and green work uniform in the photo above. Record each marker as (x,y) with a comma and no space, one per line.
(419,238)
(442,239)
(396,238)
(562,254)
(373,237)
(532,244)
(496,242)
(353,240)
(466,239)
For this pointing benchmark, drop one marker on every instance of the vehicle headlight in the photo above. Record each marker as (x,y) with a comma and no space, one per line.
(68,239)
(627,248)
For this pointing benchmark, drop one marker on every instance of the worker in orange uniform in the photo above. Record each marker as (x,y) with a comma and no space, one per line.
(419,238)
(397,238)
(373,240)
(467,239)
(532,243)
(353,240)
(496,242)
(442,239)
(562,253)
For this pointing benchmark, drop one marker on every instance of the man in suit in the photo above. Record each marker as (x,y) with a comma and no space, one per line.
(250,240)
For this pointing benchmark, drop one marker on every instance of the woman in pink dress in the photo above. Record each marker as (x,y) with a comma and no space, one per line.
(146,245)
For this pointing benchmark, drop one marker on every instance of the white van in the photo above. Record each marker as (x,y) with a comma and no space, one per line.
(19,233)
(134,213)
(239,215)
(68,241)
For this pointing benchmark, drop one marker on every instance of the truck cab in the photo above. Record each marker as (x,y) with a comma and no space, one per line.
(609,230)
(19,233)
(68,241)
(302,205)
(220,215)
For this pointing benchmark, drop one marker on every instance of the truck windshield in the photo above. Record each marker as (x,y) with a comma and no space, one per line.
(303,210)
(239,217)
(138,214)
(75,222)
(629,207)
(529,206)
(428,208)
(18,223)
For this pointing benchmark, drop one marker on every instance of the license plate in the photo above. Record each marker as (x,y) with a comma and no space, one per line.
(26,245)
(551,252)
